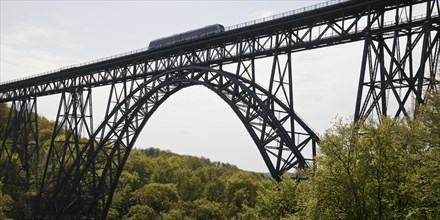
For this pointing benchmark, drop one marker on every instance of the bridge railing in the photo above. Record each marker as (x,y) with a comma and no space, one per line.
(285,14)
(330,35)
(257,21)
(77,65)
(376,26)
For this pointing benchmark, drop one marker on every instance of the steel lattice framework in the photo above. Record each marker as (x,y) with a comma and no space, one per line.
(81,168)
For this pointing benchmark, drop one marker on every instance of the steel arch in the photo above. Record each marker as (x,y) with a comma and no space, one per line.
(254,105)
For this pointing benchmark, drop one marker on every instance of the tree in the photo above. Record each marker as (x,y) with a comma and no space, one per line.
(277,200)
(215,190)
(205,209)
(241,191)
(142,165)
(122,199)
(4,114)
(5,203)
(159,197)
(368,170)
(174,214)
(142,212)
(362,172)
(426,179)
(189,186)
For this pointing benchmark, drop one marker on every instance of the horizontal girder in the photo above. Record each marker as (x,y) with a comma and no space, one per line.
(80,175)
(345,22)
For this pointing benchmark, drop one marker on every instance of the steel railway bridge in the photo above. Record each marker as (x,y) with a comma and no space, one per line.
(80,171)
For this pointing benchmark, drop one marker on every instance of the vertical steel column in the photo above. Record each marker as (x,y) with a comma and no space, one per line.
(73,127)
(20,146)
(365,57)
(246,67)
(20,151)
(395,79)
(281,86)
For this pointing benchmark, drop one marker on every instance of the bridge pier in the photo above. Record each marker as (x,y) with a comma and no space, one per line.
(390,77)
(73,128)
(20,152)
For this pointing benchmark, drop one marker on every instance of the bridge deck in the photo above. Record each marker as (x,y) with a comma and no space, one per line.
(347,21)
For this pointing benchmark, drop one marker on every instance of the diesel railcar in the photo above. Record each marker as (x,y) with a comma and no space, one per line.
(186,36)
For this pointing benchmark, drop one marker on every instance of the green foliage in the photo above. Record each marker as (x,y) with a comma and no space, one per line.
(22,187)
(141,212)
(5,203)
(426,160)
(182,187)
(276,200)
(205,209)
(160,197)
(241,191)
(190,186)
(364,170)
(369,170)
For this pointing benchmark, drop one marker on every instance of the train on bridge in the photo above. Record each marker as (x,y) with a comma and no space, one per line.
(186,36)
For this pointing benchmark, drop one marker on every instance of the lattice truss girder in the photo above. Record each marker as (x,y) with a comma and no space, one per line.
(323,31)
(81,180)
(73,127)
(19,153)
(267,119)
(398,68)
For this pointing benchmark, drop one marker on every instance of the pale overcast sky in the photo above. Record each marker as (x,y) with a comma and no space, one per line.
(38,36)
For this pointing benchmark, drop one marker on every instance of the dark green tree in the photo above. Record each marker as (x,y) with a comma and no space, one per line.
(160,197)
(277,200)
(5,203)
(368,170)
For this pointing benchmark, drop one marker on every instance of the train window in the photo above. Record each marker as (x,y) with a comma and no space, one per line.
(190,35)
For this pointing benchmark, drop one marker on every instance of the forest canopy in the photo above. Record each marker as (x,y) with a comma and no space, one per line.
(364,170)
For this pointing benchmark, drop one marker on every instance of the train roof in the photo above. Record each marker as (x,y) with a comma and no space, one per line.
(190,31)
